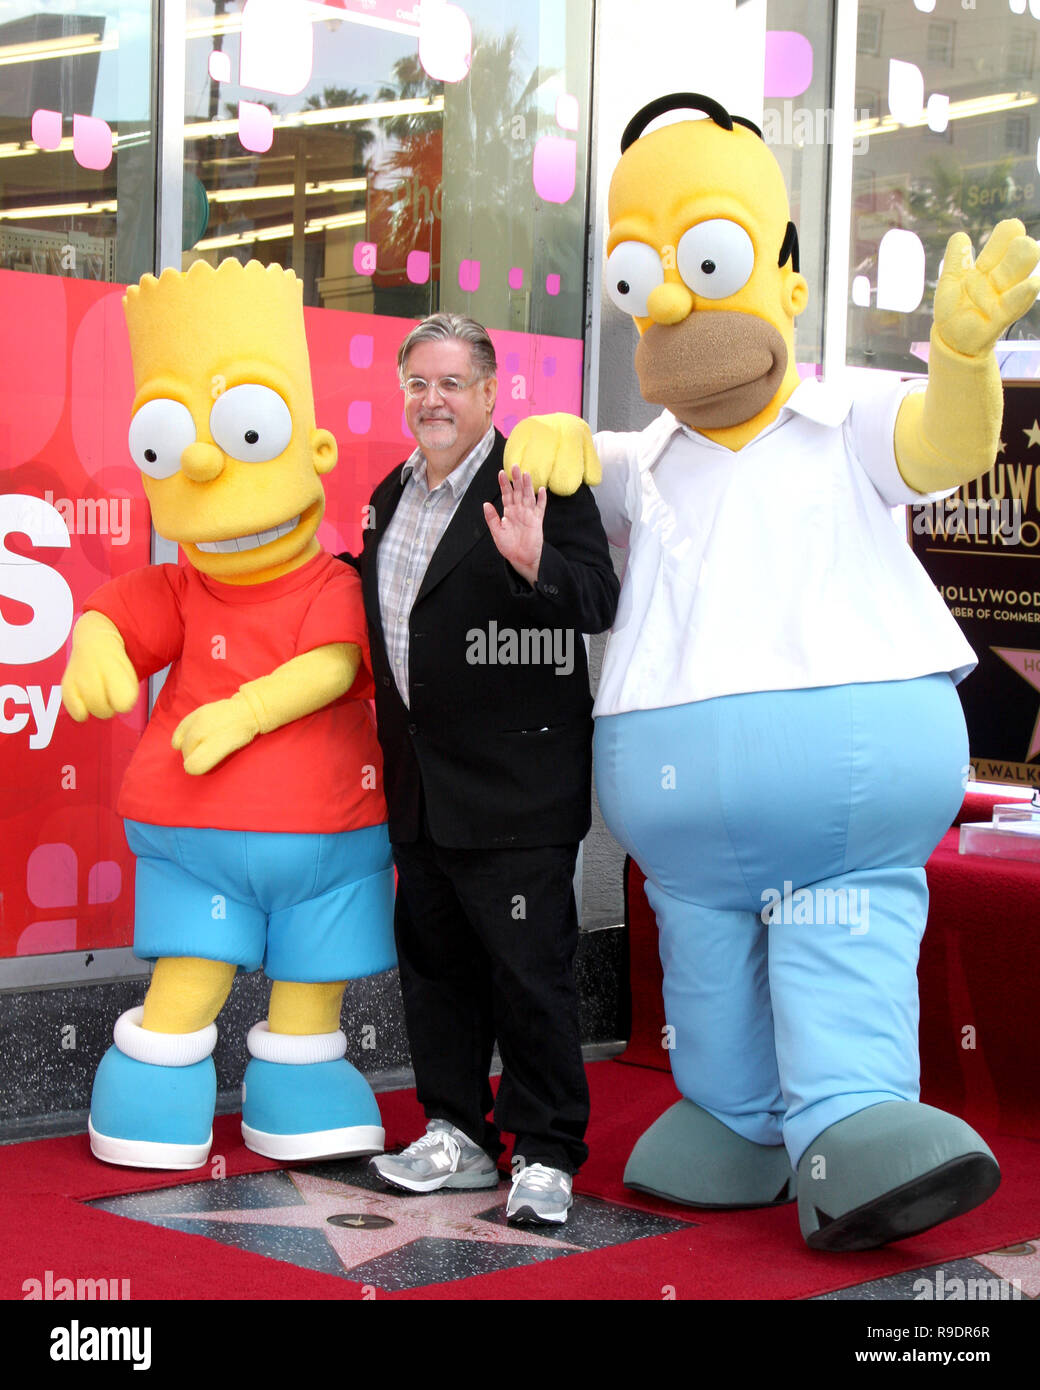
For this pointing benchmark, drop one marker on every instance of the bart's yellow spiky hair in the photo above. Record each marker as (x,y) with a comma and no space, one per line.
(187,322)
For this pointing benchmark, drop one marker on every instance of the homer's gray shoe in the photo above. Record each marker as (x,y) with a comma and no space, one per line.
(689,1156)
(443,1157)
(888,1172)
(539,1195)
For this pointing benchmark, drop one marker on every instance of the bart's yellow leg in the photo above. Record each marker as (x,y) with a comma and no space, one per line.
(303,1009)
(186,994)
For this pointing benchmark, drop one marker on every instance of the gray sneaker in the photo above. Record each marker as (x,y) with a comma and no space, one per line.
(539,1195)
(443,1157)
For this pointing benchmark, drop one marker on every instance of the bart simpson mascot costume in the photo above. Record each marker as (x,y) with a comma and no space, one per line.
(779,742)
(253,801)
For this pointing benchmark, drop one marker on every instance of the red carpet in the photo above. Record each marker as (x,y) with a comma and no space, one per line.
(722,1255)
(980,1036)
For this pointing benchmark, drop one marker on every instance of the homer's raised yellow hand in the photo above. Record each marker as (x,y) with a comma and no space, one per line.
(99,678)
(556,450)
(212,732)
(977,301)
(949,433)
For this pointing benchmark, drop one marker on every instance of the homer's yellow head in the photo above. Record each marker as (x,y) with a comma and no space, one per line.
(223,426)
(703,255)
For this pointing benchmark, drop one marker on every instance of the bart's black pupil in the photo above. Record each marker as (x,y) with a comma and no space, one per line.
(150,455)
(623,287)
(251,436)
(708,267)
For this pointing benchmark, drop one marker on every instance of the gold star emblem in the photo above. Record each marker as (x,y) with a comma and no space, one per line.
(1033,435)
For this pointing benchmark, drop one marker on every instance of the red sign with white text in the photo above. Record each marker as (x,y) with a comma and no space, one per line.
(73,515)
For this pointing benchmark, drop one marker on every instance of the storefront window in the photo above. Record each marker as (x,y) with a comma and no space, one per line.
(400,159)
(951,146)
(77,159)
(798,126)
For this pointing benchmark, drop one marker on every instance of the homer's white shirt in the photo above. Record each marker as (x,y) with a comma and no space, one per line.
(776,567)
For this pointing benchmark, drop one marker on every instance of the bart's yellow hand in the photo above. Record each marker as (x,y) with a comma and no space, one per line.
(977,301)
(213,732)
(556,450)
(99,678)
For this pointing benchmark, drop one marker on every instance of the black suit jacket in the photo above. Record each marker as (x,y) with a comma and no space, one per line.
(497,733)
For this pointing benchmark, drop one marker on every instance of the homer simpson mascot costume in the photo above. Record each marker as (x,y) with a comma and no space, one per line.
(779,742)
(252,802)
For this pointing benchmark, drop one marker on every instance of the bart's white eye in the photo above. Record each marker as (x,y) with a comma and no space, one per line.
(159,433)
(251,423)
(633,270)
(715,258)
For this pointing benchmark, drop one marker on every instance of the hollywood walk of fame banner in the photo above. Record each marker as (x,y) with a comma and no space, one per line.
(981,547)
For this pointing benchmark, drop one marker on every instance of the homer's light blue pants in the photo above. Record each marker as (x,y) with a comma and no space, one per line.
(819,808)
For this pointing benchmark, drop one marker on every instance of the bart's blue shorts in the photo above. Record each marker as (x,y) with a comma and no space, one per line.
(308,908)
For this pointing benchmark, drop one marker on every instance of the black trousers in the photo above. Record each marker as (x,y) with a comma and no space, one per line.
(486,941)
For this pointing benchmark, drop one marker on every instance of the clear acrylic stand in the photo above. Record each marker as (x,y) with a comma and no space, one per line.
(1013,833)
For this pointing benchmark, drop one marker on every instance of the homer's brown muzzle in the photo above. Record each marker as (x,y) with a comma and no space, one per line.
(714,369)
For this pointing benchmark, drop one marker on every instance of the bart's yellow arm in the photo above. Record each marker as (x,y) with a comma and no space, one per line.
(298,687)
(949,433)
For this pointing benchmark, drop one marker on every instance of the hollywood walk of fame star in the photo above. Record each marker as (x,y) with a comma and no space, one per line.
(1023,663)
(440,1215)
(1033,434)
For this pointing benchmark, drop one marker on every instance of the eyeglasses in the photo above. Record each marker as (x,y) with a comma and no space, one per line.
(416,386)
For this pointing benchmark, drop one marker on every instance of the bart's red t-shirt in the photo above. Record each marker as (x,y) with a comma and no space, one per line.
(319,774)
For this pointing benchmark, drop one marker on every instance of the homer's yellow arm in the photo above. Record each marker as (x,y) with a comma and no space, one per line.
(949,433)
(298,687)
(556,450)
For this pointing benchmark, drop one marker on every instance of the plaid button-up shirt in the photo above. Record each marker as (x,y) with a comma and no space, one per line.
(407,546)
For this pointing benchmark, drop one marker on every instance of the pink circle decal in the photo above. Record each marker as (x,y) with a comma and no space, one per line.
(220,65)
(552,284)
(46,129)
(567,111)
(365,257)
(359,417)
(516,278)
(445,41)
(469,276)
(362,348)
(417,267)
(277,53)
(255,127)
(789,64)
(554,169)
(92,142)
(104,882)
(50,876)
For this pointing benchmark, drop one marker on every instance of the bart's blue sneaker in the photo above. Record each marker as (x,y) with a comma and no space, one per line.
(146,1112)
(301,1099)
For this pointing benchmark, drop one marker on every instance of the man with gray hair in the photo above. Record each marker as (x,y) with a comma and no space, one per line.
(477,593)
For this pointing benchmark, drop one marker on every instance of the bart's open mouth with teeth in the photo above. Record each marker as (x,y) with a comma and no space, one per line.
(251,542)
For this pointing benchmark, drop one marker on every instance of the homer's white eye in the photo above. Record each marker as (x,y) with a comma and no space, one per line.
(715,258)
(251,423)
(159,433)
(633,270)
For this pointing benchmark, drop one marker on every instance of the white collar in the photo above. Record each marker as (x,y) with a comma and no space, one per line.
(822,402)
